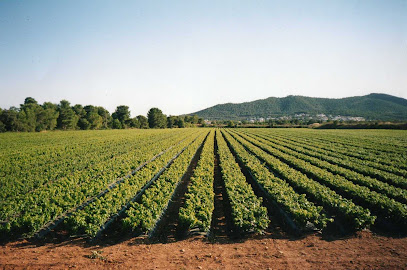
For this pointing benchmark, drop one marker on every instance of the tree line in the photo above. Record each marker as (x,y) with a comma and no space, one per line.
(32,116)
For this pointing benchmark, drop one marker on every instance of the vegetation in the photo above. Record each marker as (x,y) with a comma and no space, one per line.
(353,178)
(144,215)
(248,214)
(199,203)
(371,107)
(32,116)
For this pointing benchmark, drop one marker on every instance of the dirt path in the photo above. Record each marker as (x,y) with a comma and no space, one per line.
(362,251)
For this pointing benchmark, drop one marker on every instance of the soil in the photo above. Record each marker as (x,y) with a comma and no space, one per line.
(365,250)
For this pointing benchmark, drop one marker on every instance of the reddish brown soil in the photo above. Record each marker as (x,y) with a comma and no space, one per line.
(363,251)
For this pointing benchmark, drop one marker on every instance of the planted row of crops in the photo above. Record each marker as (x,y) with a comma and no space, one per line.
(199,199)
(309,176)
(142,216)
(375,141)
(91,157)
(353,215)
(357,147)
(30,213)
(398,194)
(390,174)
(90,219)
(381,205)
(248,214)
(297,206)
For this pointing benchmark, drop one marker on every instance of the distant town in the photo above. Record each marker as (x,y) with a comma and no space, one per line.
(306,117)
(295,119)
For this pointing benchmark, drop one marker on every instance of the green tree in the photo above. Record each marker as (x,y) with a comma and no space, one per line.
(106,117)
(79,110)
(117,124)
(171,121)
(188,119)
(230,123)
(49,115)
(133,123)
(122,114)
(2,125)
(156,118)
(67,118)
(93,117)
(9,119)
(84,124)
(30,115)
(143,121)
(195,119)
(180,122)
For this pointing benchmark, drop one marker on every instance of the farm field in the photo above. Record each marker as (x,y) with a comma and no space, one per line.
(200,188)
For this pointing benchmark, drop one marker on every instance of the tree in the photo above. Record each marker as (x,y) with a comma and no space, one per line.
(30,100)
(156,118)
(180,122)
(133,123)
(143,121)
(30,115)
(122,114)
(188,119)
(49,115)
(2,125)
(67,118)
(117,124)
(84,124)
(106,117)
(171,121)
(93,117)
(231,124)
(9,119)
(195,119)
(79,110)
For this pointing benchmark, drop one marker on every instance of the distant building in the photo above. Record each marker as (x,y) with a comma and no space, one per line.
(207,122)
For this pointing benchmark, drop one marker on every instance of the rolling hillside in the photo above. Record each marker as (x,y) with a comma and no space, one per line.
(371,107)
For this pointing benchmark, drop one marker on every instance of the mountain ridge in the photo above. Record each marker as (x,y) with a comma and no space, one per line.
(374,106)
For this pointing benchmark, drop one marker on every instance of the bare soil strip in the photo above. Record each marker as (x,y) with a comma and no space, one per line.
(361,251)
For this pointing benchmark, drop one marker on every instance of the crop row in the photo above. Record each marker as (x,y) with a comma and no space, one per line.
(45,204)
(90,158)
(382,162)
(378,203)
(379,141)
(142,216)
(357,142)
(374,184)
(248,214)
(90,219)
(199,198)
(90,181)
(332,153)
(298,207)
(352,215)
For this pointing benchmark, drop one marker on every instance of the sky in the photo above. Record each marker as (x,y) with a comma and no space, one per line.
(184,56)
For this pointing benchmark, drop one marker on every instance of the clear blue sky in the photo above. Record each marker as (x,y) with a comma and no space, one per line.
(183,56)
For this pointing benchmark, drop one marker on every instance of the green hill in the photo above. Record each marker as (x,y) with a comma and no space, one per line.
(371,107)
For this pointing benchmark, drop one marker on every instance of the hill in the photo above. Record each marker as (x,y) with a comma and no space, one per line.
(371,107)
